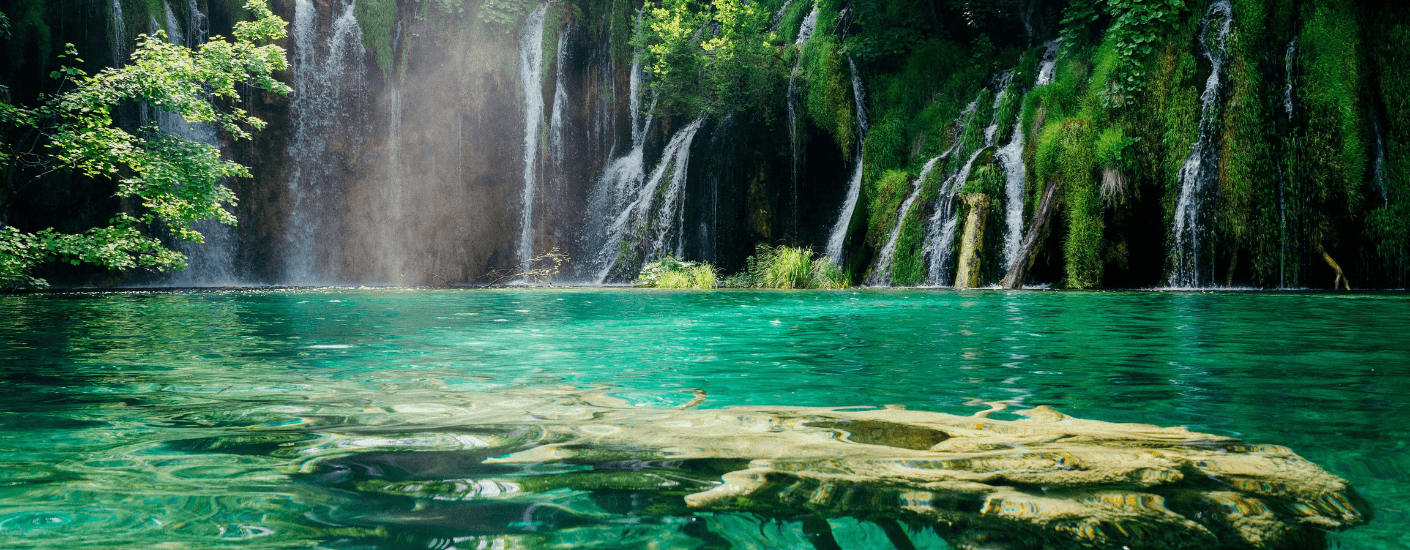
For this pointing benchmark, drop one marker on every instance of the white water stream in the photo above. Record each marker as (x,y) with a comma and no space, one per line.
(854,186)
(1201,168)
(530,81)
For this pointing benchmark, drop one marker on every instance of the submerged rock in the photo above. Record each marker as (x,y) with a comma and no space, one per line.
(1045,481)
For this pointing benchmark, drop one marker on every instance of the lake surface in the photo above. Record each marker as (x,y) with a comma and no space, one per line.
(190,418)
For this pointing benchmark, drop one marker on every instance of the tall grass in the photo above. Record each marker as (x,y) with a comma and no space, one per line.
(671,272)
(787,267)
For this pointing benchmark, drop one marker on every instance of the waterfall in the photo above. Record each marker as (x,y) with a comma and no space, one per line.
(1011,156)
(805,33)
(199,30)
(942,225)
(173,29)
(211,263)
(778,16)
(1378,176)
(1200,169)
(648,220)
(881,272)
(1288,71)
(854,187)
(316,109)
(531,81)
(119,34)
(1048,66)
(560,97)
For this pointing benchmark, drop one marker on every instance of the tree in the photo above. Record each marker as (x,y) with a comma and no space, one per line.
(176,181)
(709,56)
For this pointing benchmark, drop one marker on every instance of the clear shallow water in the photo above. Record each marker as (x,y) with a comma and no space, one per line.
(185,419)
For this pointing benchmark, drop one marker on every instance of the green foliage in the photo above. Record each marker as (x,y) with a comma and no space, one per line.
(787,267)
(1248,179)
(1388,224)
(176,181)
(829,92)
(671,272)
(502,14)
(986,178)
(1113,147)
(886,28)
(1332,155)
(1136,25)
(377,18)
(713,57)
(886,193)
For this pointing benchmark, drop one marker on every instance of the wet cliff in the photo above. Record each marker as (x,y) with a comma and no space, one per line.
(1205,144)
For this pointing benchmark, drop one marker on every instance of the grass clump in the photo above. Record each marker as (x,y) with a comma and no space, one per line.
(671,272)
(787,267)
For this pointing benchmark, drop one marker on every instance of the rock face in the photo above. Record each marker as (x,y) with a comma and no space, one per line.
(1045,481)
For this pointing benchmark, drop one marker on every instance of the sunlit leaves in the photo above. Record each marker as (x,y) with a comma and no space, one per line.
(177,181)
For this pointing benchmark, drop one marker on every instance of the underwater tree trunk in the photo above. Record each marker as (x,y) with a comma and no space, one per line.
(967,276)
(1037,233)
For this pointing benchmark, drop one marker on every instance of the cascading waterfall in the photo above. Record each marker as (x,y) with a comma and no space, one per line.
(881,272)
(199,31)
(1378,175)
(1011,157)
(805,33)
(778,15)
(530,80)
(1015,172)
(1201,168)
(560,98)
(653,215)
(1288,70)
(316,110)
(119,33)
(1048,67)
(854,186)
(211,263)
(941,228)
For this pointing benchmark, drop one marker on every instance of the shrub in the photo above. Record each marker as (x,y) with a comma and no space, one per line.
(787,267)
(671,272)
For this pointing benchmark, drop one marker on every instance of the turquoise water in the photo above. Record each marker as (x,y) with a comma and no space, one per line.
(186,418)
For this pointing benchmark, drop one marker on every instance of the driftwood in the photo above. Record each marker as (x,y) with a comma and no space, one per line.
(1037,233)
(1341,280)
(1046,481)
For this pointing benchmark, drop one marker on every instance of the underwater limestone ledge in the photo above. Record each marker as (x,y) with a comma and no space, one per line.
(1047,481)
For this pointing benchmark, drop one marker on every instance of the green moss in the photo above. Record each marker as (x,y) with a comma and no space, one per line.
(886,195)
(829,92)
(377,18)
(1075,165)
(1332,155)
(1388,223)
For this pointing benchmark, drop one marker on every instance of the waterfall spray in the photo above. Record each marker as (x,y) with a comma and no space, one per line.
(648,221)
(854,186)
(530,80)
(315,109)
(1201,168)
